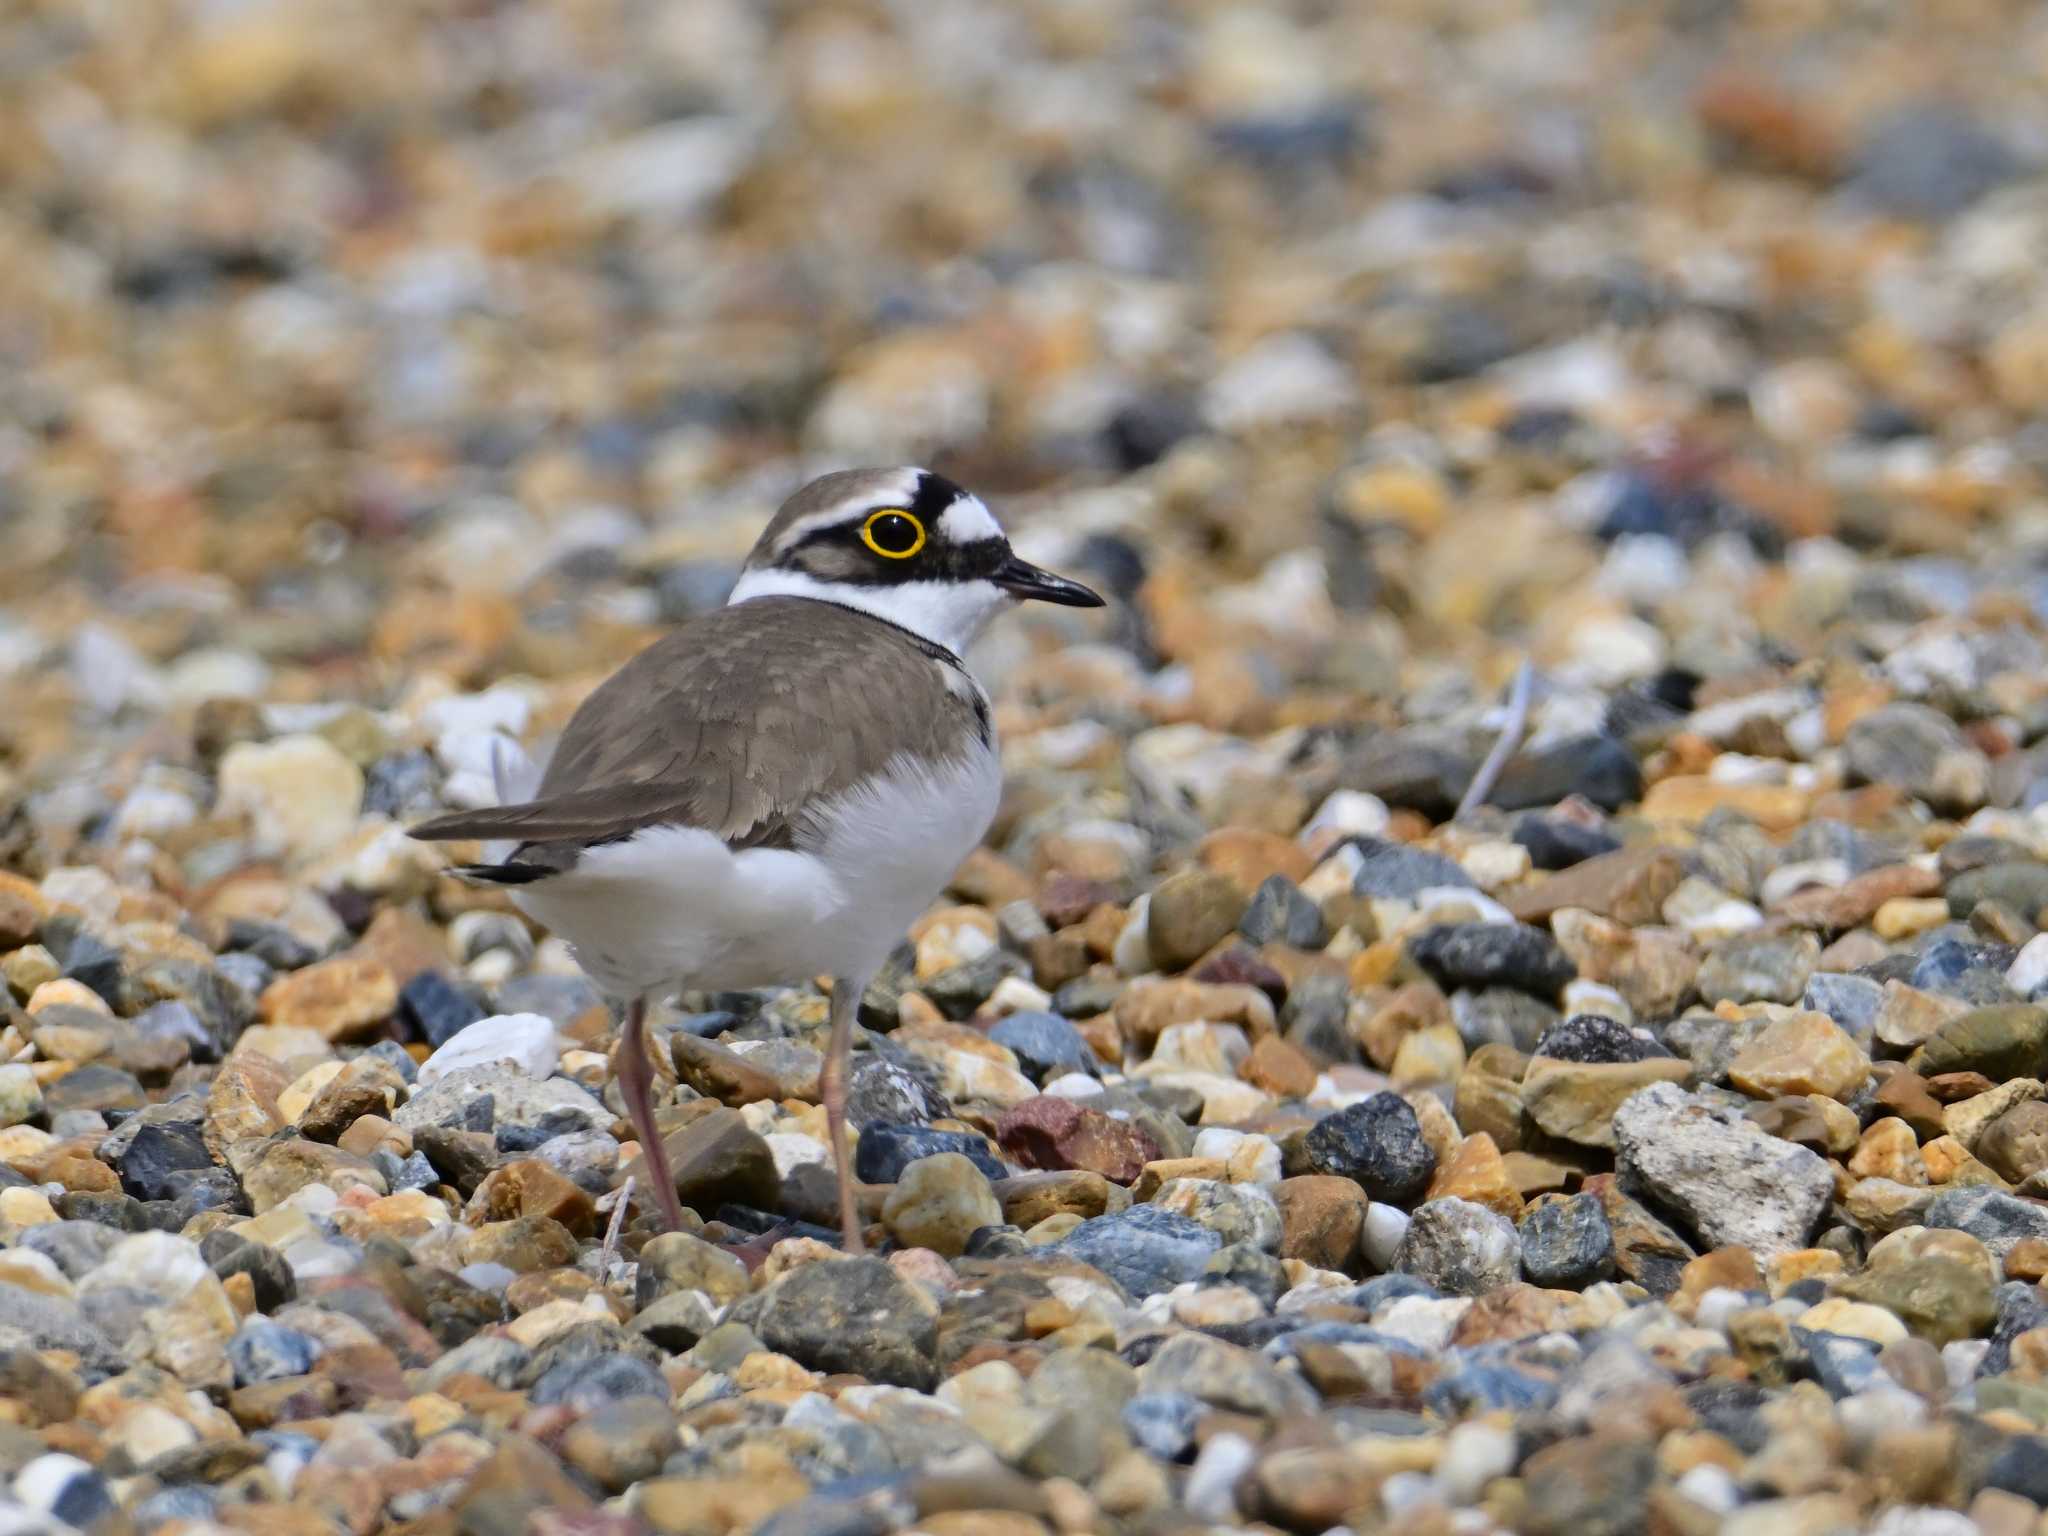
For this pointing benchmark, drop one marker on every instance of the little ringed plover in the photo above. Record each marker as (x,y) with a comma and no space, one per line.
(777,788)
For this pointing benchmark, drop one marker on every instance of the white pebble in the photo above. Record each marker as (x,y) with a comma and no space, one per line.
(161,1263)
(1407,1490)
(1582,996)
(2029,968)
(1718,1305)
(216,673)
(1474,1454)
(1074,1085)
(41,1484)
(300,794)
(1350,811)
(1924,1520)
(1710,1487)
(1132,951)
(1385,1226)
(1962,1359)
(526,1040)
(1424,1321)
(1013,994)
(1212,1480)
(1485,908)
(501,709)
(793,1150)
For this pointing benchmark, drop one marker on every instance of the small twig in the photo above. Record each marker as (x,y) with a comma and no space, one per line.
(618,1200)
(1505,746)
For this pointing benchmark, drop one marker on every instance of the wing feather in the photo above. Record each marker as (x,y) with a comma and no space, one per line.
(734,723)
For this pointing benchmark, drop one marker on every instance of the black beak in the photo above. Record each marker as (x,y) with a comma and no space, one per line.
(1023,580)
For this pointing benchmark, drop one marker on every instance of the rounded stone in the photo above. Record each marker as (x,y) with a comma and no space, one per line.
(939,1203)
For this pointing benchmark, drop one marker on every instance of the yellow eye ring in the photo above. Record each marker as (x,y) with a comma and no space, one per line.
(883,533)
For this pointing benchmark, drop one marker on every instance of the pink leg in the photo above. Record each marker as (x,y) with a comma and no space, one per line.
(636,1087)
(846,992)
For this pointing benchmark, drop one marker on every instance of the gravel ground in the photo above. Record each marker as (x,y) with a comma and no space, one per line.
(1248,1139)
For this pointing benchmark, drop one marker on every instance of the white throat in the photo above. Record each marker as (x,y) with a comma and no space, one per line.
(948,613)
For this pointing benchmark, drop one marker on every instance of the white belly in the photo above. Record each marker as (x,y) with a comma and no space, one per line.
(672,907)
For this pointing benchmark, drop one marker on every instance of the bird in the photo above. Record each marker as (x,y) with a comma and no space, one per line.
(775,789)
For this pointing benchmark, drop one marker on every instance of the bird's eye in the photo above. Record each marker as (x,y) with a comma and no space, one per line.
(893,534)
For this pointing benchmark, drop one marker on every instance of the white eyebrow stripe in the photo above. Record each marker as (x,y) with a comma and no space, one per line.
(847,511)
(967,521)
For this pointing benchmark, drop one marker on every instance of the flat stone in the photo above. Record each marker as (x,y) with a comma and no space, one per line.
(1801,1052)
(1057,1133)
(1144,1249)
(525,1042)
(853,1315)
(1492,954)
(1732,1182)
(1577,1101)
(346,998)
(1996,1219)
(719,1159)
(2002,1040)
(1630,885)
(720,1073)
(1758,968)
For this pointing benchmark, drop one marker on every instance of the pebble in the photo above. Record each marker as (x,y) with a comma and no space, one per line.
(1733,1183)
(525,1041)
(1459,1248)
(1377,1143)
(939,1202)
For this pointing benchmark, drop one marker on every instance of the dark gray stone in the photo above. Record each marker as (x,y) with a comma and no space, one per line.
(1492,955)
(1595,1039)
(1144,1249)
(1280,914)
(884,1151)
(1377,1143)
(1567,1244)
(265,1351)
(1397,871)
(595,1380)
(856,1315)
(1045,1044)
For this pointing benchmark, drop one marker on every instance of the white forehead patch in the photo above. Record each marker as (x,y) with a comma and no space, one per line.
(968,520)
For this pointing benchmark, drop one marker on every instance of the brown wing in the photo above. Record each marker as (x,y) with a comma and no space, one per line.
(733,723)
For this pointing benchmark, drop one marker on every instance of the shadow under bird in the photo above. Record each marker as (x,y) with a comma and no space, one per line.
(775,790)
